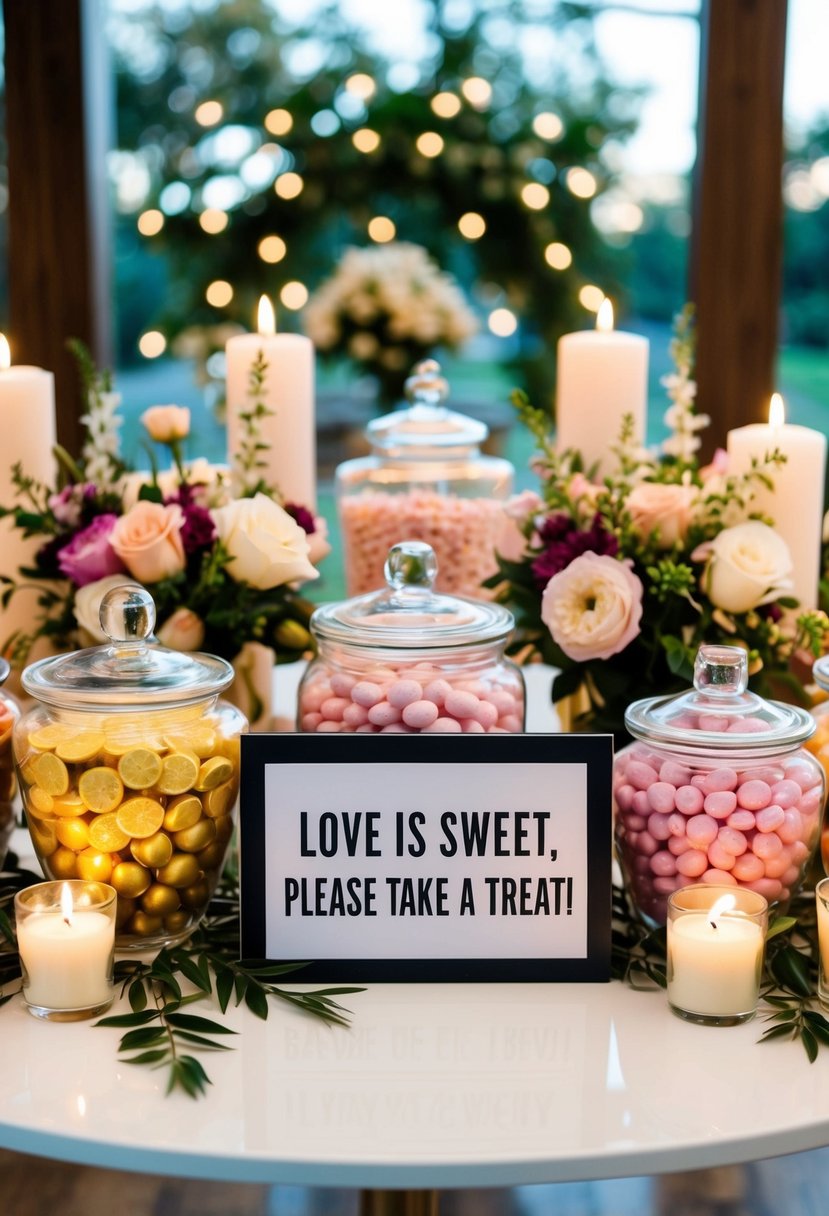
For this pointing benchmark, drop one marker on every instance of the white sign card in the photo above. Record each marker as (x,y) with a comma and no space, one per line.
(428,857)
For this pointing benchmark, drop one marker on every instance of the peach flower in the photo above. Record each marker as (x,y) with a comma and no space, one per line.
(663,509)
(148,541)
(167,423)
(183,630)
(593,607)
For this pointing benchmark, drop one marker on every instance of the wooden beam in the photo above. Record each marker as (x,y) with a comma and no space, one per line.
(738,209)
(57,115)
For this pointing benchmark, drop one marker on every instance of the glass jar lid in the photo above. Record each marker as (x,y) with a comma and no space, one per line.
(133,670)
(409,613)
(4,671)
(426,429)
(820,671)
(719,713)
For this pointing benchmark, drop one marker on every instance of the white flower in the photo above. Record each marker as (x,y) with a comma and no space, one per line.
(87,605)
(267,547)
(748,565)
(593,607)
(183,630)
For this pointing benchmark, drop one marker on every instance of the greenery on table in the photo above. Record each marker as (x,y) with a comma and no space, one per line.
(788,991)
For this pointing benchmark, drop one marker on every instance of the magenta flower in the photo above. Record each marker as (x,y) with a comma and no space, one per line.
(563,541)
(89,555)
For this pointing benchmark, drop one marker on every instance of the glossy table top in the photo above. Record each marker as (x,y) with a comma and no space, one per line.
(432,1086)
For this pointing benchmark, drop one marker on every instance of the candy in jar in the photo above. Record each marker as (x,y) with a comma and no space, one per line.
(716,789)
(9,713)
(818,745)
(425,480)
(408,660)
(129,771)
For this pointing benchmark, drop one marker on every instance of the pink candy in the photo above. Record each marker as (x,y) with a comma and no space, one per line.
(413,698)
(676,824)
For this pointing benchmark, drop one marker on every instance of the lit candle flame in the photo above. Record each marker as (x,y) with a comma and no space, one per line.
(777,411)
(604,317)
(5,353)
(266,318)
(726,903)
(66,903)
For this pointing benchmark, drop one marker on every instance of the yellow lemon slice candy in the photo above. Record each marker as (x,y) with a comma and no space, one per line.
(106,835)
(51,774)
(139,768)
(182,812)
(213,772)
(46,738)
(178,773)
(70,805)
(38,802)
(219,800)
(198,737)
(101,789)
(82,746)
(140,817)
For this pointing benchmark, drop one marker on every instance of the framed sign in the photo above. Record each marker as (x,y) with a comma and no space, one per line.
(428,857)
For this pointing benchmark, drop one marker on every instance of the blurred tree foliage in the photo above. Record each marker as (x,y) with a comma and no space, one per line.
(245,56)
(805,277)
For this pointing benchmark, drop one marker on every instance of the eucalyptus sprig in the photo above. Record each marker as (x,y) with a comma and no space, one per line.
(161,1035)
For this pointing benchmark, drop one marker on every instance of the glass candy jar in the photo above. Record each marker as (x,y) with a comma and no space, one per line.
(408,660)
(129,771)
(426,480)
(716,788)
(818,745)
(9,714)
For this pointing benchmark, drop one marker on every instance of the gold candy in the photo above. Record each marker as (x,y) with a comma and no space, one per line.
(182,870)
(130,879)
(94,866)
(160,900)
(182,812)
(197,837)
(213,772)
(153,851)
(63,863)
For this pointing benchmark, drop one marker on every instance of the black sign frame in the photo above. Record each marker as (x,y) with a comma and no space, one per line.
(595,752)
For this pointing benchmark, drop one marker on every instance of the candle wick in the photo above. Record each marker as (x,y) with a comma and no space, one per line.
(713,924)
(67,921)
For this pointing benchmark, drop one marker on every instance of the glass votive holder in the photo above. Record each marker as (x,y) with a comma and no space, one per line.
(66,941)
(716,940)
(822,901)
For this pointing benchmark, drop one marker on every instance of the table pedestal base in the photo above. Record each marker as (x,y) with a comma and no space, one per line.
(399,1203)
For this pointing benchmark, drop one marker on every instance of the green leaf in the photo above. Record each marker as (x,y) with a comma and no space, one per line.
(189,1021)
(193,973)
(142,1038)
(777,1032)
(224,986)
(810,1044)
(150,493)
(256,1000)
(818,1025)
(7,930)
(201,1041)
(130,1019)
(791,969)
(149,1057)
(780,924)
(138,996)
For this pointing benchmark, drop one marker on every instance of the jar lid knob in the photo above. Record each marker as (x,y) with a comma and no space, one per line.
(127,614)
(426,386)
(411,563)
(721,671)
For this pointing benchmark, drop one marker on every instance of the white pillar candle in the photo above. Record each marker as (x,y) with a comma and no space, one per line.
(796,502)
(602,375)
(27,427)
(714,962)
(67,955)
(288,394)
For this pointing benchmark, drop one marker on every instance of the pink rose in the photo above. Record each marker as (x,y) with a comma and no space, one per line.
(663,509)
(167,423)
(593,607)
(148,541)
(90,554)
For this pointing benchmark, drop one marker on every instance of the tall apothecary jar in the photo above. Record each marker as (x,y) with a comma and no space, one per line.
(716,788)
(426,479)
(9,714)
(129,771)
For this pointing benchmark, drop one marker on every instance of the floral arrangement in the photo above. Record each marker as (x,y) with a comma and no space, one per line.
(220,554)
(617,584)
(387,307)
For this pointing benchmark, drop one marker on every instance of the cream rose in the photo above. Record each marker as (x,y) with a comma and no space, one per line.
(593,607)
(748,565)
(167,423)
(87,605)
(267,547)
(663,509)
(183,630)
(148,541)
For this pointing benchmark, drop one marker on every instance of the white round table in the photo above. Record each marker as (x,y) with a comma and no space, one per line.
(432,1086)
